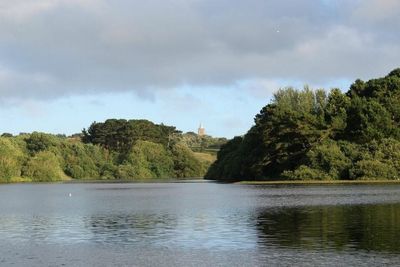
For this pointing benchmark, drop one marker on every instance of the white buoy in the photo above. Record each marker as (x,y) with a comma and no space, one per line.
(70,195)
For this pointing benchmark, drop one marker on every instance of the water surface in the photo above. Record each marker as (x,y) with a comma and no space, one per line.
(199,224)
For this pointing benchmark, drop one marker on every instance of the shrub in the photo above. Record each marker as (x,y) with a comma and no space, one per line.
(43,167)
(305,173)
(372,170)
(39,142)
(228,165)
(149,160)
(389,152)
(131,172)
(186,164)
(108,171)
(11,159)
(81,161)
(329,158)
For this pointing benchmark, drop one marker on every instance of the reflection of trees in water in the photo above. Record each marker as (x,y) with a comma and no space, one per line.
(130,228)
(368,227)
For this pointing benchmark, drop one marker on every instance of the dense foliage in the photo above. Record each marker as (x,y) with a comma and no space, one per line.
(120,135)
(201,143)
(306,134)
(114,149)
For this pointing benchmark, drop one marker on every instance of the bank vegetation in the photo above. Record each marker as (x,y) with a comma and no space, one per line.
(320,135)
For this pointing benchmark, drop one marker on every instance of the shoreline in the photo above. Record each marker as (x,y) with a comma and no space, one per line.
(107,181)
(202,180)
(313,182)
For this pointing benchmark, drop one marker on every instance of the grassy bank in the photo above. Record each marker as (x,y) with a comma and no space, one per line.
(14,180)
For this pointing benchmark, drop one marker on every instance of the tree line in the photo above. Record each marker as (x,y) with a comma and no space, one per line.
(319,135)
(114,149)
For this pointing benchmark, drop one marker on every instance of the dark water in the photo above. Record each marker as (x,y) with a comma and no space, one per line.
(199,224)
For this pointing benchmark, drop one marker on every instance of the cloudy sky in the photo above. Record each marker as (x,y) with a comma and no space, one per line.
(67,63)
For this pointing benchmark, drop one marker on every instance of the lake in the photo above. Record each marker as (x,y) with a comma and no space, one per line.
(199,224)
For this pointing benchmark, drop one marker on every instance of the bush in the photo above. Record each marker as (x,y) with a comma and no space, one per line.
(82,161)
(388,151)
(147,160)
(11,159)
(43,167)
(373,170)
(354,152)
(329,159)
(228,165)
(131,172)
(305,173)
(186,164)
(39,142)
(108,171)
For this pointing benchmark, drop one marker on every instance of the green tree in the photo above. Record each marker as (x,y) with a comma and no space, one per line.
(185,164)
(147,160)
(368,120)
(121,135)
(306,134)
(37,142)
(43,167)
(11,159)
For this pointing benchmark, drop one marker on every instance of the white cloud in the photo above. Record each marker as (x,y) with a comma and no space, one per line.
(23,10)
(53,48)
(29,84)
(261,88)
(378,10)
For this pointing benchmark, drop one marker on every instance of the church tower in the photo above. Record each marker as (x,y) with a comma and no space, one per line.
(201,131)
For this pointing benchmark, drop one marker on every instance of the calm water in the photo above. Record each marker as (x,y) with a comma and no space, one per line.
(199,224)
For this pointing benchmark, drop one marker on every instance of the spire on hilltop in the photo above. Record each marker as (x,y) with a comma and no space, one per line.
(201,131)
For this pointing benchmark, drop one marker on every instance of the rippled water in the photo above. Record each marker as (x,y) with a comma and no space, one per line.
(199,224)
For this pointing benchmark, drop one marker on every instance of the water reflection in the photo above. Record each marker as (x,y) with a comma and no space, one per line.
(355,227)
(268,223)
(130,229)
(210,231)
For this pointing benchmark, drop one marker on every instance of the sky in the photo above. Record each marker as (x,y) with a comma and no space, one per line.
(67,63)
